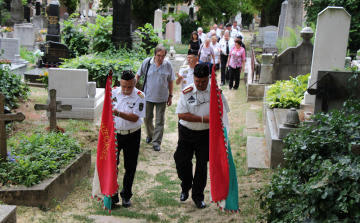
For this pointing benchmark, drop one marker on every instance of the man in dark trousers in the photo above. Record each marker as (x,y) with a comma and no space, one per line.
(193,113)
(226,44)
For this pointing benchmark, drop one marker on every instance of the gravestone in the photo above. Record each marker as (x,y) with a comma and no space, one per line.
(8,117)
(282,19)
(177,32)
(38,7)
(73,88)
(294,61)
(7,213)
(333,25)
(53,107)
(270,38)
(17,11)
(27,13)
(170,29)
(136,39)
(263,30)
(11,48)
(25,32)
(158,22)
(294,16)
(40,22)
(266,67)
(53,33)
(122,21)
(54,52)
(66,16)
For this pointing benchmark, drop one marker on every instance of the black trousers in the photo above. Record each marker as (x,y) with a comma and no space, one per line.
(130,144)
(191,142)
(234,75)
(224,72)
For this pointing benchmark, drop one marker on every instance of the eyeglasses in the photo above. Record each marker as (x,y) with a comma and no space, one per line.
(198,102)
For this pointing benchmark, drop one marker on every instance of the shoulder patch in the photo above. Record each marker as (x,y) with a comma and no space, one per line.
(187,90)
(140,94)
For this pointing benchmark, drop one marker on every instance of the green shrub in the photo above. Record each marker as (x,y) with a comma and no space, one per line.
(12,88)
(75,39)
(27,55)
(321,178)
(36,157)
(99,64)
(100,33)
(287,93)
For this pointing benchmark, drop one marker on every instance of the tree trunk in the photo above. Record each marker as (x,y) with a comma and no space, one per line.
(263,18)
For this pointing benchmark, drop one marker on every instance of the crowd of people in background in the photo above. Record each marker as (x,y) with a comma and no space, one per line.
(223,48)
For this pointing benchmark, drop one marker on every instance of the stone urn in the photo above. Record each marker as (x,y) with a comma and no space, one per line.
(292,119)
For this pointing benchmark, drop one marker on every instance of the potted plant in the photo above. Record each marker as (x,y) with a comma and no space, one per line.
(43,34)
(5,30)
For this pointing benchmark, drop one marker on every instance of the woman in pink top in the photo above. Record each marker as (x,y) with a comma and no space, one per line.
(236,60)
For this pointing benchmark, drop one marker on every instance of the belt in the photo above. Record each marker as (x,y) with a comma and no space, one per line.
(126,132)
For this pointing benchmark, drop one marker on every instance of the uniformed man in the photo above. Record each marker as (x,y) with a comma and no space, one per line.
(193,112)
(185,75)
(129,109)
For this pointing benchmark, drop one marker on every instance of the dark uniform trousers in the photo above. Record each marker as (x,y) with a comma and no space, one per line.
(190,142)
(130,144)
(224,72)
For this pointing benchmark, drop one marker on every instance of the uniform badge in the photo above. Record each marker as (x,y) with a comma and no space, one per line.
(141,106)
(184,82)
(185,72)
(140,94)
(191,99)
(114,99)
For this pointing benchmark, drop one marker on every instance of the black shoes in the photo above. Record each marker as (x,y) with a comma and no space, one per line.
(184,196)
(148,139)
(156,148)
(200,204)
(222,84)
(126,203)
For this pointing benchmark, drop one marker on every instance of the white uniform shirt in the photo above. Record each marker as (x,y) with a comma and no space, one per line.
(218,32)
(188,74)
(197,103)
(235,33)
(223,45)
(132,103)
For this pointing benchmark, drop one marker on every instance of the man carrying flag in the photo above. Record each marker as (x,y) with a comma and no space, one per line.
(128,109)
(193,112)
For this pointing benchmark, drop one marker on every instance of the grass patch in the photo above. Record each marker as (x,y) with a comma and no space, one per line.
(82,218)
(184,218)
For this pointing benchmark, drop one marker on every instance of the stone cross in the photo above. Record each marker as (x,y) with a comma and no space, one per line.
(8,117)
(53,107)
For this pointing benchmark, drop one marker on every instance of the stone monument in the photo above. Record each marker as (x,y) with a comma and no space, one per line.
(294,15)
(17,11)
(158,22)
(282,19)
(170,29)
(177,32)
(53,33)
(122,27)
(333,25)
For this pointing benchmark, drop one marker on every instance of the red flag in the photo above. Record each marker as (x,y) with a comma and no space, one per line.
(107,147)
(218,161)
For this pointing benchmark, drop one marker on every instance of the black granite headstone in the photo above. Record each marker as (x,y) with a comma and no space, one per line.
(38,7)
(54,52)
(121,35)
(53,33)
(27,13)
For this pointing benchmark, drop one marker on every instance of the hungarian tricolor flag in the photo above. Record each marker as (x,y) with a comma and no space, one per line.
(224,185)
(105,176)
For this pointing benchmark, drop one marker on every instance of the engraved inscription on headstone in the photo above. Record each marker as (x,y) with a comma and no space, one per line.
(54,52)
(10,47)
(53,33)
(121,35)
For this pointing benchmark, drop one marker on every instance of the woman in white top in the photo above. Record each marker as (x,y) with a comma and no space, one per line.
(216,47)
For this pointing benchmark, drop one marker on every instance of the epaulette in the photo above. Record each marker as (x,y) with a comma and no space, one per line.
(140,94)
(183,66)
(187,90)
(114,88)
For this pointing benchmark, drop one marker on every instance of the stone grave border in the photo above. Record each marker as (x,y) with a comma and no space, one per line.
(57,187)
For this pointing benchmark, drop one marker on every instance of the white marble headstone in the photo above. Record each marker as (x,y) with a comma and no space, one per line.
(331,40)
(177,32)
(282,19)
(170,29)
(294,16)
(270,38)
(10,47)
(69,83)
(158,21)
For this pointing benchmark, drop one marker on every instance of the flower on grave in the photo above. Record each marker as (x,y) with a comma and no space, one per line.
(5,29)
(46,73)
(43,31)
(44,78)
(38,53)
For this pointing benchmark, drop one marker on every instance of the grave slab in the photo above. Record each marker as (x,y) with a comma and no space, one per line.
(252,120)
(8,214)
(256,154)
(57,187)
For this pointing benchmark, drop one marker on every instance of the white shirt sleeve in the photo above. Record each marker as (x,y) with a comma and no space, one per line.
(139,108)
(182,106)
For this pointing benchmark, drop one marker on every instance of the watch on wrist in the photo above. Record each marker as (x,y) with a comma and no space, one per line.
(170,95)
